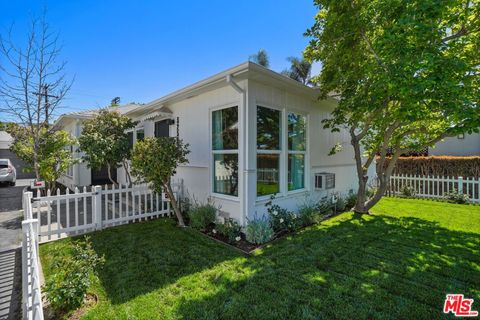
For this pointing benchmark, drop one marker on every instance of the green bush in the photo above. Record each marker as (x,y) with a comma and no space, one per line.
(407,192)
(350,200)
(66,289)
(230,229)
(341,204)
(259,231)
(457,197)
(202,215)
(282,219)
(325,206)
(308,214)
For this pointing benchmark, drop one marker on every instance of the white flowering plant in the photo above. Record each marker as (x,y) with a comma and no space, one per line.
(231,229)
(282,219)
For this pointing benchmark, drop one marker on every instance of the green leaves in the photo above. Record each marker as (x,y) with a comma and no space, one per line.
(104,139)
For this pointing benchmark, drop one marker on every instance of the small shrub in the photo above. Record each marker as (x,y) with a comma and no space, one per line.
(230,229)
(308,215)
(66,289)
(350,200)
(325,206)
(457,197)
(407,192)
(259,231)
(341,204)
(202,215)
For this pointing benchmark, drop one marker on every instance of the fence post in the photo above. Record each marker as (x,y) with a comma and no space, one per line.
(24,268)
(97,206)
(460,184)
(27,205)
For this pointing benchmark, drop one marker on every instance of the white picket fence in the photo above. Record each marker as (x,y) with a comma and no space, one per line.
(31,287)
(435,186)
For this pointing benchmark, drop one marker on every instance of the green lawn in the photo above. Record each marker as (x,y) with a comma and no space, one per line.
(398,263)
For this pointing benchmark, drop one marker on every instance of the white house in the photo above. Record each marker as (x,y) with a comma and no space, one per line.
(80,175)
(461,145)
(252,132)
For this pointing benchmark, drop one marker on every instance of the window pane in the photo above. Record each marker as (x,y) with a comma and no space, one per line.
(268,166)
(225,175)
(225,129)
(130,139)
(268,129)
(296,171)
(296,132)
(140,135)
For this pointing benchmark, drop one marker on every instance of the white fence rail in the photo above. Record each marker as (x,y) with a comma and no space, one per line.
(31,287)
(435,186)
(87,210)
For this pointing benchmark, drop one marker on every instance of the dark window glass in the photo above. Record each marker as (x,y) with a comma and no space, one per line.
(268,166)
(225,174)
(130,139)
(140,135)
(296,132)
(162,128)
(225,129)
(268,129)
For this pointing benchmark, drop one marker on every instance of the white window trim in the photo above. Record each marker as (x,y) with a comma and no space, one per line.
(304,152)
(284,153)
(281,165)
(228,151)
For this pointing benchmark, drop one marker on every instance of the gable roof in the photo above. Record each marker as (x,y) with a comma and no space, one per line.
(88,114)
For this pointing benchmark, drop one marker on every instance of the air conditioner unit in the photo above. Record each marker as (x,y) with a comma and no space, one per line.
(324,181)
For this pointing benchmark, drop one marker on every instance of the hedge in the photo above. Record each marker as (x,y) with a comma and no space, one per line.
(438,166)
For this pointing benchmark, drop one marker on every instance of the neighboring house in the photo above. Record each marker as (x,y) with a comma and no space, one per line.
(252,133)
(461,145)
(5,153)
(80,175)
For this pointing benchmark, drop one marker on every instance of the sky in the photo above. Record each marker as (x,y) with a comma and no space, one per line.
(142,50)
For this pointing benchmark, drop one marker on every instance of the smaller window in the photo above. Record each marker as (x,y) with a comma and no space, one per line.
(268,167)
(140,134)
(130,139)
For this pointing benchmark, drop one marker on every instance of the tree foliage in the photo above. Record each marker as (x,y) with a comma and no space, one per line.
(300,70)
(406,74)
(155,161)
(104,141)
(54,151)
(261,58)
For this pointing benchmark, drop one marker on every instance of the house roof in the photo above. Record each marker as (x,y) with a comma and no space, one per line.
(88,114)
(246,70)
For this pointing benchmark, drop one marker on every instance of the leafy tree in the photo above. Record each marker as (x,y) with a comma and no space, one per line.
(54,151)
(261,58)
(105,142)
(155,161)
(406,74)
(300,70)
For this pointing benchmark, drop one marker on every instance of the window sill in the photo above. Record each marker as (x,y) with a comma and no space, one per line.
(288,195)
(225,197)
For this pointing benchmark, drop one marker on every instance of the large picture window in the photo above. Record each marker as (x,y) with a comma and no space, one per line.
(296,150)
(225,151)
(269,142)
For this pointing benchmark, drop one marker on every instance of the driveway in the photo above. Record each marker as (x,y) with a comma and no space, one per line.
(11,217)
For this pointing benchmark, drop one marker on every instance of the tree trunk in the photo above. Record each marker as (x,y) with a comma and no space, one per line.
(361,196)
(110,175)
(127,173)
(173,201)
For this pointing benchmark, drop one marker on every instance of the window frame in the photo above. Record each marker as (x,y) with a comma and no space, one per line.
(293,152)
(213,152)
(280,153)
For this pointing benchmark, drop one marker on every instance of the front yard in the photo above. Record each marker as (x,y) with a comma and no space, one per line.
(398,263)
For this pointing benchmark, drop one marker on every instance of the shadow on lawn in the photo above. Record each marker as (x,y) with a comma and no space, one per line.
(357,268)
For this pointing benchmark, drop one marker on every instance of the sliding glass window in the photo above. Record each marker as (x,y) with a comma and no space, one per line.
(269,133)
(225,151)
(297,128)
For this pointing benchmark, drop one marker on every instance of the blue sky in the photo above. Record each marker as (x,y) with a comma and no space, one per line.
(142,50)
